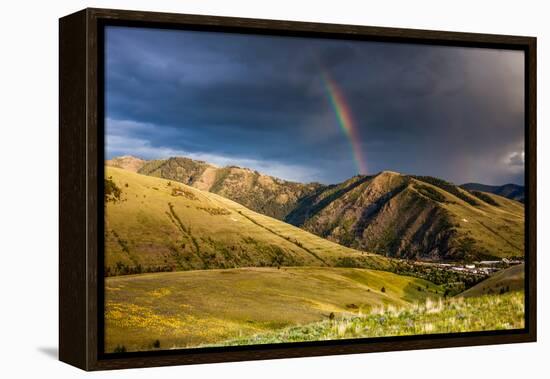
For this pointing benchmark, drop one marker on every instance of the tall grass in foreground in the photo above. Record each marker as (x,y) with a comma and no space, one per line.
(454,315)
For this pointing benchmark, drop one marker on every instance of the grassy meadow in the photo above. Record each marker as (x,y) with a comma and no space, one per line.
(454,315)
(510,279)
(193,308)
(187,268)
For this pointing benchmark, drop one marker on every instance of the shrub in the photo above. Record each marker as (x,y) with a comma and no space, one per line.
(486,198)
(122,242)
(182,192)
(383,289)
(156,344)
(120,349)
(215,211)
(112,191)
(430,193)
(348,262)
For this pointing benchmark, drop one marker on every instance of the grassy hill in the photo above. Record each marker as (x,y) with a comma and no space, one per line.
(189,268)
(403,216)
(262,193)
(414,217)
(185,309)
(508,280)
(127,162)
(154,224)
(454,315)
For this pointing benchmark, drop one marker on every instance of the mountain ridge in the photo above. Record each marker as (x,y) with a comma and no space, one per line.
(510,190)
(419,218)
(263,193)
(126,162)
(155,225)
(392,214)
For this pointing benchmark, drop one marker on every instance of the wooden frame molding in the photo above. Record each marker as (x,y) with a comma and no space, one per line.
(81,196)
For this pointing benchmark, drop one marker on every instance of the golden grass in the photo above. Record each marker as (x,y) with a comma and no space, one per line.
(455,315)
(193,308)
(161,225)
(499,230)
(510,279)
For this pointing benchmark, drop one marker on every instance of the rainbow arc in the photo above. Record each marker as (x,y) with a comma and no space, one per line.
(345,121)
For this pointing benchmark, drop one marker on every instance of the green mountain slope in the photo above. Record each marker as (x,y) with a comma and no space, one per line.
(193,308)
(507,280)
(153,224)
(262,193)
(414,217)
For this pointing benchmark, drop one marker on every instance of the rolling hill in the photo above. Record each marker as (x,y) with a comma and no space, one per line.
(508,280)
(262,193)
(414,217)
(154,224)
(510,191)
(396,215)
(194,308)
(190,268)
(127,162)
(452,315)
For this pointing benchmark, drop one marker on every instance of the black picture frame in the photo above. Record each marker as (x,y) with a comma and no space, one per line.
(81,206)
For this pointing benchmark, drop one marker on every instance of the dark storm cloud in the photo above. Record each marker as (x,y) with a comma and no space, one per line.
(260,101)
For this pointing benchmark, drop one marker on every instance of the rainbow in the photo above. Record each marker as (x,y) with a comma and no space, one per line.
(345,120)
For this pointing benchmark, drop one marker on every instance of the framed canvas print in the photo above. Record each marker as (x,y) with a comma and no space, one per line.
(238,189)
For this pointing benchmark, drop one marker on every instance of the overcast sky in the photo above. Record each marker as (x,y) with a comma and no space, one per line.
(260,102)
